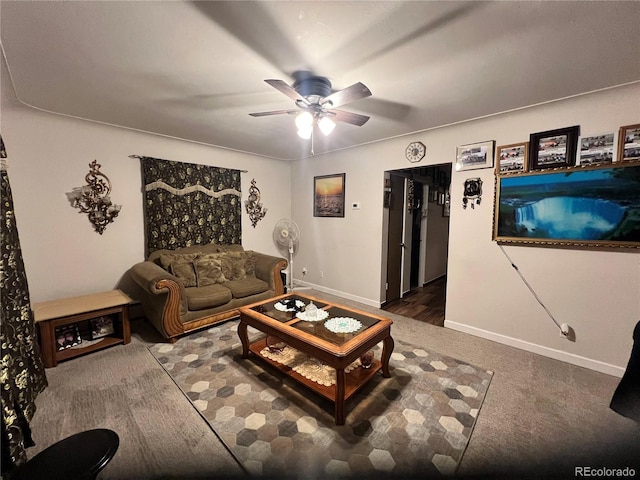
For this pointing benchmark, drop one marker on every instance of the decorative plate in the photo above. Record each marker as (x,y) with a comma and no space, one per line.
(343,325)
(320,315)
(283,308)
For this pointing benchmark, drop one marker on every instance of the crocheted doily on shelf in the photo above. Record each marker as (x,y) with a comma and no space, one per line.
(307,366)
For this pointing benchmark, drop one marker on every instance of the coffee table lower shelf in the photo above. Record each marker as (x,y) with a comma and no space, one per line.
(354,380)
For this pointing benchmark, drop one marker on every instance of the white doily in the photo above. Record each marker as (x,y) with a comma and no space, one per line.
(283,308)
(319,315)
(307,366)
(343,325)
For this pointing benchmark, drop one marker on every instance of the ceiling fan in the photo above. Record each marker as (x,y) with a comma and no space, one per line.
(316,103)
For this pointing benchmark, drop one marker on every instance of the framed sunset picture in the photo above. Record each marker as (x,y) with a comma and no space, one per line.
(328,195)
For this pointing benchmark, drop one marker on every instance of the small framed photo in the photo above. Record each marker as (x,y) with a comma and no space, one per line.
(512,158)
(101,327)
(474,156)
(328,195)
(596,149)
(554,148)
(67,336)
(629,143)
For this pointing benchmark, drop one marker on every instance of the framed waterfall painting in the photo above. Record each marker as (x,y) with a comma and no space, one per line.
(328,195)
(595,206)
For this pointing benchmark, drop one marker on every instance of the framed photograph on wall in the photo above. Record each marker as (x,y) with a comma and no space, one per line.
(474,156)
(629,143)
(513,158)
(583,207)
(328,195)
(554,148)
(596,149)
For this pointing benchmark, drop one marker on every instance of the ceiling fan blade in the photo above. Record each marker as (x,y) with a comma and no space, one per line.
(348,117)
(274,112)
(355,92)
(288,90)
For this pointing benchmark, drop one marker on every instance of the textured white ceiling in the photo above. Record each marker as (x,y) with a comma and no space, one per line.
(195,70)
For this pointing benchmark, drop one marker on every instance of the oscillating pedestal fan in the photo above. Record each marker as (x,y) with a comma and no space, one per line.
(286,234)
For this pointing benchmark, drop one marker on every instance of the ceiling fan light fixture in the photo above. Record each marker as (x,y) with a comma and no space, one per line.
(326,125)
(304,120)
(305,132)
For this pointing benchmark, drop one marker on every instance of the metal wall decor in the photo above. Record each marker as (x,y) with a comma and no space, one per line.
(253,206)
(472,192)
(94,198)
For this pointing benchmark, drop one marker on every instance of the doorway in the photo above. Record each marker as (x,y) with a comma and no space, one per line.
(416,236)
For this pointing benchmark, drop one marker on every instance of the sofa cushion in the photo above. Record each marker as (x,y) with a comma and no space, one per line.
(234,265)
(194,250)
(181,266)
(234,247)
(209,271)
(200,298)
(166,259)
(246,287)
(185,272)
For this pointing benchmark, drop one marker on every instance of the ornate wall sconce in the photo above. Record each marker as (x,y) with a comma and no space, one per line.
(254,207)
(94,200)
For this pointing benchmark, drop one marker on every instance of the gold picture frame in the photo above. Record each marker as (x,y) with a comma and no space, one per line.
(512,158)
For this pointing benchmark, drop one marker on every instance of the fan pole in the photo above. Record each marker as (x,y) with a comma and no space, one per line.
(290,265)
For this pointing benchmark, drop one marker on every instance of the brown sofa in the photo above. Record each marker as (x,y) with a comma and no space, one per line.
(192,287)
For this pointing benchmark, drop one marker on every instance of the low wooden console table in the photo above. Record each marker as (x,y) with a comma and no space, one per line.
(81,311)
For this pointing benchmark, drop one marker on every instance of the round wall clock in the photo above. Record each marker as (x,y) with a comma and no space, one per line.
(415,151)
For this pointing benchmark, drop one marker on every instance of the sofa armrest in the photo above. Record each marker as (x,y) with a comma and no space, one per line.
(268,269)
(162,296)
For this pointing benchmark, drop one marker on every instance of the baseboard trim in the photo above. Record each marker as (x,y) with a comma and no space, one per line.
(571,358)
(338,293)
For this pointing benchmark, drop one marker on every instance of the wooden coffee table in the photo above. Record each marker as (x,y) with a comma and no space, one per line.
(337,350)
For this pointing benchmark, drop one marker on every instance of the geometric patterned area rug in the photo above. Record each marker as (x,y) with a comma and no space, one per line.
(419,421)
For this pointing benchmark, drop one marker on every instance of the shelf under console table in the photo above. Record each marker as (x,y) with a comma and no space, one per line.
(94,321)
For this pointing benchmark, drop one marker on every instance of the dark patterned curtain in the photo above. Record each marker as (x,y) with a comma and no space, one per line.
(187,204)
(22,370)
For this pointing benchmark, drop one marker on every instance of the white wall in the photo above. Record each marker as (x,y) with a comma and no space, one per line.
(48,155)
(436,243)
(596,292)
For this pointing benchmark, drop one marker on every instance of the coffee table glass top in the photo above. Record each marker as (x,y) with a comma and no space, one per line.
(339,319)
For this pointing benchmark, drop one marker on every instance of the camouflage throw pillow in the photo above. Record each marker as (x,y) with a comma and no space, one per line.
(239,265)
(234,265)
(209,271)
(166,259)
(185,272)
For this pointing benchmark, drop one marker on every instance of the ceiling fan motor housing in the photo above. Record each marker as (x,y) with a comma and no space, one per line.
(313,87)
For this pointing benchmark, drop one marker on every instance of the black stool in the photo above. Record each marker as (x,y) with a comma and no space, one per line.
(79,457)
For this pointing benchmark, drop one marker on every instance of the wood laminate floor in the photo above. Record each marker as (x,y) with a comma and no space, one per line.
(424,303)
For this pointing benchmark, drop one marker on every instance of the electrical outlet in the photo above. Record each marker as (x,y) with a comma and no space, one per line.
(304,270)
(321,274)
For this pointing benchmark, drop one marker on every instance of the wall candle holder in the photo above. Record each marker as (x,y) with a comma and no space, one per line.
(94,198)
(253,206)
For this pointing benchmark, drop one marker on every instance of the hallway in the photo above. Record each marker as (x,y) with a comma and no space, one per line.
(424,303)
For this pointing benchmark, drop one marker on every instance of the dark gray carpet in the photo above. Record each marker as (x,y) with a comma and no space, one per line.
(418,421)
